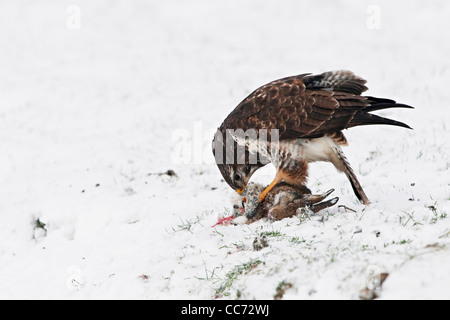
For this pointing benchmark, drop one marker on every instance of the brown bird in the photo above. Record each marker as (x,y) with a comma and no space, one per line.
(294,121)
(283,201)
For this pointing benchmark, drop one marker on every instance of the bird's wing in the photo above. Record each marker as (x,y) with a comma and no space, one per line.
(340,80)
(307,106)
(270,96)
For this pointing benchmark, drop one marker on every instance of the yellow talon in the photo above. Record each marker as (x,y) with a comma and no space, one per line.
(270,187)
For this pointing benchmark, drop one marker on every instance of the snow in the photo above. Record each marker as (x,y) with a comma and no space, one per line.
(100,98)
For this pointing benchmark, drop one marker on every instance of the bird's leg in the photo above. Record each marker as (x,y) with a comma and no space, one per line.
(314,198)
(313,201)
(322,205)
(263,194)
(315,204)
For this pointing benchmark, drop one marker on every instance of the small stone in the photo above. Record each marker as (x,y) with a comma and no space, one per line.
(260,242)
(357,230)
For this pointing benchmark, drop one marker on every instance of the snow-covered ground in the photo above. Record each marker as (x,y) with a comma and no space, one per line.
(100,98)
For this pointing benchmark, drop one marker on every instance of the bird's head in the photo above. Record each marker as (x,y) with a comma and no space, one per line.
(237,175)
(235,167)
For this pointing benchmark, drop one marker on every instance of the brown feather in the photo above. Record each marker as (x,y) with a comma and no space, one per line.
(338,138)
(307,106)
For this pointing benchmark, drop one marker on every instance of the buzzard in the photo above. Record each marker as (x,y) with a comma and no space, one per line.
(303,117)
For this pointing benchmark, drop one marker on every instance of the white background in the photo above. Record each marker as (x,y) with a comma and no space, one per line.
(94,94)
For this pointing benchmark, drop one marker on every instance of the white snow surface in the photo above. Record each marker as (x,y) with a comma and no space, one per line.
(97,97)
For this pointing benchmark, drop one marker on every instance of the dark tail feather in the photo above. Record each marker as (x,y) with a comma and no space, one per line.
(362,118)
(382,103)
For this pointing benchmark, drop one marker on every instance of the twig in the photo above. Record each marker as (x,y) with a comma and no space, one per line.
(346,208)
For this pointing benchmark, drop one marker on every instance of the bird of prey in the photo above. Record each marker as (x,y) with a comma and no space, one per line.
(307,114)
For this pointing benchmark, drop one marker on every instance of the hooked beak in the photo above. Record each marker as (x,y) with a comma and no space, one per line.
(240,191)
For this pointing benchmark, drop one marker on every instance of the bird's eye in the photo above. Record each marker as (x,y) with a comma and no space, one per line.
(237,176)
